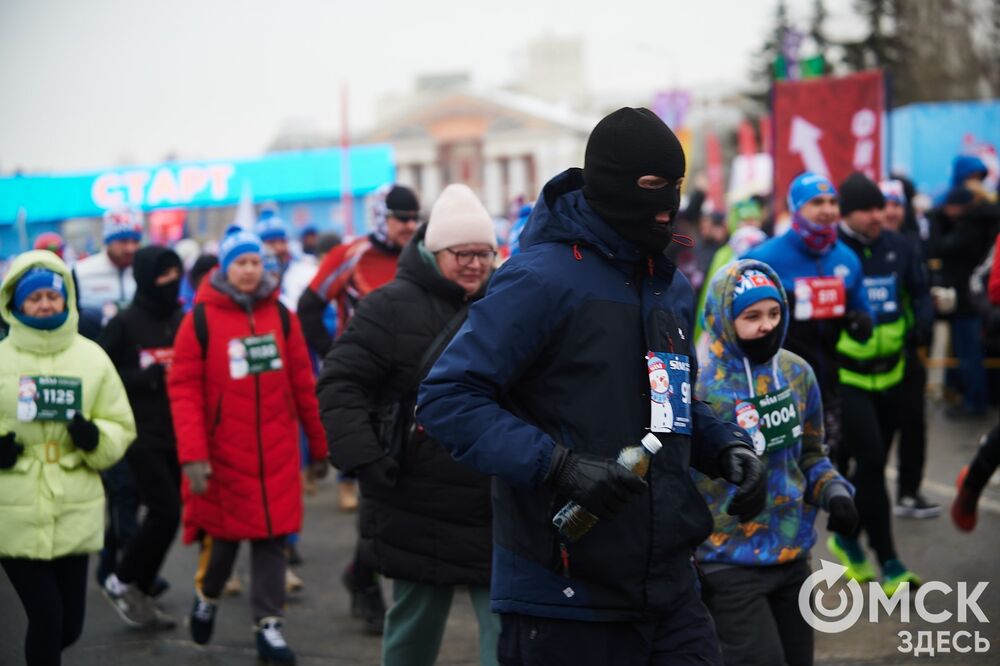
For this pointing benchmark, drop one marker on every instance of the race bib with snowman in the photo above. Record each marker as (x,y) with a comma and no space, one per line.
(771,420)
(156,356)
(253,355)
(669,392)
(48,398)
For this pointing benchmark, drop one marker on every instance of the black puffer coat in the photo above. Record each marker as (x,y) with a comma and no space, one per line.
(434,525)
(139,340)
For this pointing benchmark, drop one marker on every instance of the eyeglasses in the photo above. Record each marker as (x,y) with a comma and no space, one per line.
(465,257)
(405,216)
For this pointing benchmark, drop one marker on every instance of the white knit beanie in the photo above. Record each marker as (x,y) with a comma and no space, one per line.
(457,218)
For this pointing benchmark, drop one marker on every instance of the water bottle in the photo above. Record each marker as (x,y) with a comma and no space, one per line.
(573,521)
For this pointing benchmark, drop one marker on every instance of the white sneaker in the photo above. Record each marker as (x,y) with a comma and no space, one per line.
(133,607)
(292,582)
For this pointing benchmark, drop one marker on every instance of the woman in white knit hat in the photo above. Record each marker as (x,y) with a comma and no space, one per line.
(425,519)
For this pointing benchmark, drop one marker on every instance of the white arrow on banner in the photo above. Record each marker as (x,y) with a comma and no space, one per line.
(805,142)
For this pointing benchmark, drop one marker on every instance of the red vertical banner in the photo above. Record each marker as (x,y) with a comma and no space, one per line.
(831,126)
(746,140)
(766,144)
(346,193)
(714,160)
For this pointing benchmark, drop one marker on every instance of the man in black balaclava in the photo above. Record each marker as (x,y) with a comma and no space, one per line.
(140,341)
(632,171)
(583,346)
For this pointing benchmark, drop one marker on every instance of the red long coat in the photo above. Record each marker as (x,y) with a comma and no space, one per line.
(246,428)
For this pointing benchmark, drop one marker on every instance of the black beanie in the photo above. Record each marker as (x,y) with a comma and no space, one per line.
(402,199)
(624,146)
(858,192)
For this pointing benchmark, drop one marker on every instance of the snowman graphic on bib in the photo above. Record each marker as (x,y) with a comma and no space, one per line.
(660,392)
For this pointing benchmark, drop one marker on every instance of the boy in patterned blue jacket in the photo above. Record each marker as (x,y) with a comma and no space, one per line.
(753,571)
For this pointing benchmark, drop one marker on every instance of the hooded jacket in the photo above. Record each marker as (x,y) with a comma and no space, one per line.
(815,340)
(246,426)
(139,338)
(52,500)
(556,352)
(800,476)
(433,526)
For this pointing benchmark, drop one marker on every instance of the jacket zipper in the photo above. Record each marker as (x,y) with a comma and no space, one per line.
(260,444)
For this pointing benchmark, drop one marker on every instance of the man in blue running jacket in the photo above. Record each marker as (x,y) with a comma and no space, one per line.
(581,346)
(824,283)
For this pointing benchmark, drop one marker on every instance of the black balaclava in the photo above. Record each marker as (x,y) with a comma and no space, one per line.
(624,146)
(150,263)
(760,350)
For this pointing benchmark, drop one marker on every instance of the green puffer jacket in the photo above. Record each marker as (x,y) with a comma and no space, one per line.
(52,500)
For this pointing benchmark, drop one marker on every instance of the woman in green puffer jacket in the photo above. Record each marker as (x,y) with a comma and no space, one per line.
(64,416)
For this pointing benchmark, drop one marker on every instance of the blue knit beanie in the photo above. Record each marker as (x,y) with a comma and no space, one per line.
(237,241)
(753,287)
(807,186)
(271,227)
(35,279)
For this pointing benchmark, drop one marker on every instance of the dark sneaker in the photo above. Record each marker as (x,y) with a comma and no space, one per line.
(202,620)
(133,607)
(159,586)
(372,609)
(915,506)
(271,645)
(347,578)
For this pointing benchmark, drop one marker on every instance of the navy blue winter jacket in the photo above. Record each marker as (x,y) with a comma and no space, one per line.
(555,352)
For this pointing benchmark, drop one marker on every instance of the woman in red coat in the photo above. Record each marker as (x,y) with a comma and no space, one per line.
(240,385)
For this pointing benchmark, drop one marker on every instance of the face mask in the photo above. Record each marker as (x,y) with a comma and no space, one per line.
(42,323)
(624,146)
(818,237)
(167,294)
(760,350)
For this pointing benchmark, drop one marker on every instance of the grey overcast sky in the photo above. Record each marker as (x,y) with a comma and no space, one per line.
(96,83)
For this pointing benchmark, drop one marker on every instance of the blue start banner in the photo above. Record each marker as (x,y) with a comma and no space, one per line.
(926,138)
(282,177)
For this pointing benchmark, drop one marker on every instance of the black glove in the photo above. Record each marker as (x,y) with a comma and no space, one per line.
(83,433)
(843,516)
(9,451)
(741,467)
(858,325)
(599,485)
(381,473)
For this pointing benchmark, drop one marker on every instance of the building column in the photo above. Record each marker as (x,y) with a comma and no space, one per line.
(430,185)
(517,178)
(493,187)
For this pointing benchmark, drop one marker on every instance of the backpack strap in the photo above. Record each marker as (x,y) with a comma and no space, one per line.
(286,319)
(201,328)
(201,324)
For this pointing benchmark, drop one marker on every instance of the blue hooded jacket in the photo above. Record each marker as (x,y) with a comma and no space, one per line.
(800,477)
(555,352)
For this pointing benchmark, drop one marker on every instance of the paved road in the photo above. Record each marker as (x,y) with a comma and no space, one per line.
(322,632)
